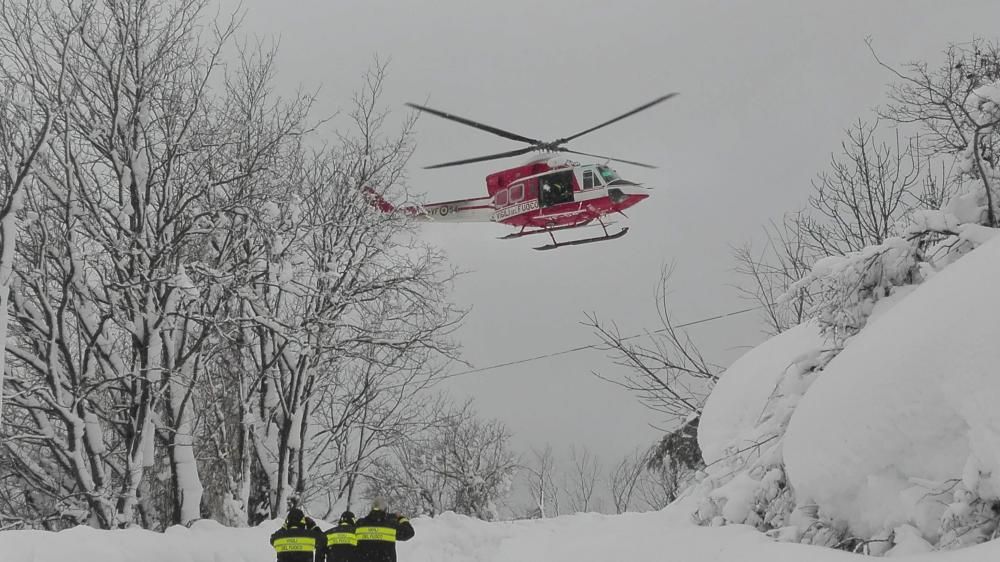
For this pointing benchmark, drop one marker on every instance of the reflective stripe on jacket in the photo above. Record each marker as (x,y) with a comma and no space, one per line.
(299,543)
(341,544)
(295,544)
(376,533)
(341,538)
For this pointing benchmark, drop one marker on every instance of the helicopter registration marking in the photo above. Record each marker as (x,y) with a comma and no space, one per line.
(508,212)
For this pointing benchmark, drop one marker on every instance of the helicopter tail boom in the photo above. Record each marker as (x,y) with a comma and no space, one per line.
(476,209)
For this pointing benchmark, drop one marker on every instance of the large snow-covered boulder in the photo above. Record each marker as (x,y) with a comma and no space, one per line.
(733,411)
(910,403)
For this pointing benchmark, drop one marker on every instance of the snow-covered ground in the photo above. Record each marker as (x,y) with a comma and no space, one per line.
(667,535)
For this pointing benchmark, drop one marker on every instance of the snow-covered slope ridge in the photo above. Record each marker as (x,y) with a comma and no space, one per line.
(742,429)
(733,413)
(905,420)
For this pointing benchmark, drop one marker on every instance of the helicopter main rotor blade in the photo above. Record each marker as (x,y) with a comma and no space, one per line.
(483,158)
(606,158)
(480,126)
(620,117)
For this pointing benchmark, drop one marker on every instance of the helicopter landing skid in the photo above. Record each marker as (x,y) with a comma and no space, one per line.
(544,230)
(555,245)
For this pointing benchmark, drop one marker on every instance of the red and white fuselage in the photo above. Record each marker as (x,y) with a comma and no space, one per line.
(540,195)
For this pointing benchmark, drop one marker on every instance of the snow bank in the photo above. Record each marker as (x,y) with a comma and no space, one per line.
(205,541)
(665,535)
(741,435)
(910,403)
(738,401)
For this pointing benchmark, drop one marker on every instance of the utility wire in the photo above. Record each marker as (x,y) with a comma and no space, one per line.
(591,346)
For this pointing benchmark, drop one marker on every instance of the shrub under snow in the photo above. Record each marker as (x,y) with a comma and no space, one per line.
(905,421)
(893,434)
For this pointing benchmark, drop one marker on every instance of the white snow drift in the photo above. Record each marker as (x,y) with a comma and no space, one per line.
(667,535)
(740,399)
(911,403)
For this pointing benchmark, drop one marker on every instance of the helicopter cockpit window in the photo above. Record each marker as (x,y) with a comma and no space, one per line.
(608,174)
(591,179)
(500,198)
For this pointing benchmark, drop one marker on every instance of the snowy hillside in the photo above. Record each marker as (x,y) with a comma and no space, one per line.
(732,417)
(890,445)
(904,421)
(665,535)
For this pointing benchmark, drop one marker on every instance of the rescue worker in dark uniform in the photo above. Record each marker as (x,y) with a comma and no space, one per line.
(378,532)
(299,539)
(341,544)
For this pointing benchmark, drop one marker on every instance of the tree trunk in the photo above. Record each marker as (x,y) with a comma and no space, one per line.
(8,230)
(188,487)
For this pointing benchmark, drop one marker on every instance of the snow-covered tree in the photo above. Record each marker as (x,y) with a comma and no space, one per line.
(866,196)
(868,188)
(103,293)
(623,480)
(582,481)
(187,241)
(376,404)
(767,271)
(668,374)
(956,103)
(540,473)
(460,463)
(746,480)
(26,113)
(337,283)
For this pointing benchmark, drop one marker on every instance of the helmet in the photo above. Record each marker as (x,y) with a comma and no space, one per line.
(347,518)
(295,517)
(380,503)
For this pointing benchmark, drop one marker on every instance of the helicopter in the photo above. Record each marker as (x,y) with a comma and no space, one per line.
(546,194)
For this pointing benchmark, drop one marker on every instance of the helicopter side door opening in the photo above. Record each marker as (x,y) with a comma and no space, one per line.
(555,189)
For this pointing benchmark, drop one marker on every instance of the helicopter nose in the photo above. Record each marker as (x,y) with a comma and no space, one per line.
(617,196)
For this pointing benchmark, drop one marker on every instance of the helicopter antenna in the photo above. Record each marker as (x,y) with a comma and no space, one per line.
(535,144)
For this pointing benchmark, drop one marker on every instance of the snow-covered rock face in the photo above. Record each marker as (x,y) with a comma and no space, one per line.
(910,403)
(734,410)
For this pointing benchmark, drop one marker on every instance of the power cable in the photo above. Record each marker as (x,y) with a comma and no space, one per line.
(591,346)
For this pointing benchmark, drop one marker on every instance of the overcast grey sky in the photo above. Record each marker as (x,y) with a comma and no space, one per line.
(766,89)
